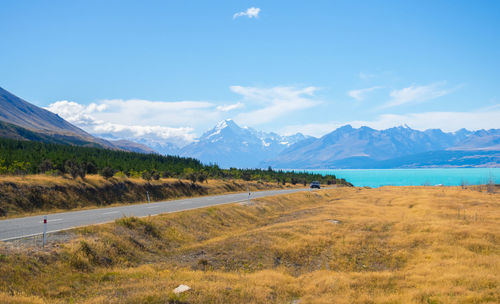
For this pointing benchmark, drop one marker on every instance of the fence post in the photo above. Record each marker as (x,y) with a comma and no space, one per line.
(44,230)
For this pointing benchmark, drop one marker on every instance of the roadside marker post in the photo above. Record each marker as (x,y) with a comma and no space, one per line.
(147,193)
(248,199)
(44,230)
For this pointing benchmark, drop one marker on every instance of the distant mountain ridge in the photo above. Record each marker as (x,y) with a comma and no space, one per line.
(230,145)
(132,146)
(150,143)
(480,140)
(365,147)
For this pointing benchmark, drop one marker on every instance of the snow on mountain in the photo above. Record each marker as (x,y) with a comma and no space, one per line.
(487,140)
(364,147)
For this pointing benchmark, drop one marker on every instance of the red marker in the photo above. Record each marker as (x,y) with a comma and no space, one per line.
(44,230)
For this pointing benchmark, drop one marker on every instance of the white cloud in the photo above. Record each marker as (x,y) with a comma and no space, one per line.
(275,102)
(227,108)
(415,93)
(252,12)
(446,121)
(128,119)
(148,112)
(361,93)
(74,112)
(180,136)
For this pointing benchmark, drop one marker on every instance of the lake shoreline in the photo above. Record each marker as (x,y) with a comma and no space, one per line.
(413,177)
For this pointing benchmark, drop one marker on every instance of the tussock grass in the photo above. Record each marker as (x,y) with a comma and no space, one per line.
(33,194)
(345,245)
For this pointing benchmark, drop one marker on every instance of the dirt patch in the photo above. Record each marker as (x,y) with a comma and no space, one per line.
(35,243)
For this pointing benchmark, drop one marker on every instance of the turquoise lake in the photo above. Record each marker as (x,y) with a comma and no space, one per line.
(414,177)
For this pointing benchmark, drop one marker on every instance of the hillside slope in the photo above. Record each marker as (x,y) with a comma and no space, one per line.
(11,131)
(19,112)
(22,120)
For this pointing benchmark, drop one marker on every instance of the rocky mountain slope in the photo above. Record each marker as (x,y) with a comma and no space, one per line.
(349,147)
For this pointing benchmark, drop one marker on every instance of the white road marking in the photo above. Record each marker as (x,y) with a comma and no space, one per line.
(32,228)
(151,207)
(111,212)
(54,220)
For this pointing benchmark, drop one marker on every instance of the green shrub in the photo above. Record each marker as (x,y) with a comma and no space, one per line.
(107,172)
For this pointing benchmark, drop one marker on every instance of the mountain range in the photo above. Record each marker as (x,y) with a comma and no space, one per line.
(230,145)
(348,147)
(146,141)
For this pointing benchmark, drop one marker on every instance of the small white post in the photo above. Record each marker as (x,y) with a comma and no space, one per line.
(147,193)
(44,230)
(248,199)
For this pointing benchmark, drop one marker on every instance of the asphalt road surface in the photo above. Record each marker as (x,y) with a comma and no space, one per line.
(33,225)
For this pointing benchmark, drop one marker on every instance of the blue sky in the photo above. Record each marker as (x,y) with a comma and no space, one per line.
(175,68)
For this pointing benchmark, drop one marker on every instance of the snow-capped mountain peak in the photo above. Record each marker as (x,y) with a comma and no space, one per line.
(228,144)
(224,126)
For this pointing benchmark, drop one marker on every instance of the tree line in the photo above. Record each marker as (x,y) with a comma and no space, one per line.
(28,157)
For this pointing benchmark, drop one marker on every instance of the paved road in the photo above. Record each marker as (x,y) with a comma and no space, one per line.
(33,225)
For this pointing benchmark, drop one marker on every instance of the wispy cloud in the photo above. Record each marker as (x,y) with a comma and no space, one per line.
(252,12)
(231,107)
(361,93)
(416,93)
(273,102)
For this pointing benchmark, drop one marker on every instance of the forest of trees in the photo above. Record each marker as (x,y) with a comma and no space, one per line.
(28,157)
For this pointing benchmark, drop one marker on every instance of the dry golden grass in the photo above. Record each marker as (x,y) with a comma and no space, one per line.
(36,194)
(345,245)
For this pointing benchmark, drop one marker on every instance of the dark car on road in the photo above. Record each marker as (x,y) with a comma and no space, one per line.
(315,185)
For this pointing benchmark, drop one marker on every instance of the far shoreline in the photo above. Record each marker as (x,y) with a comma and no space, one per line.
(447,176)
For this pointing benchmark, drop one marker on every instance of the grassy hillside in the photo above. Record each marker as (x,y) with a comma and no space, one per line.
(21,195)
(344,245)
